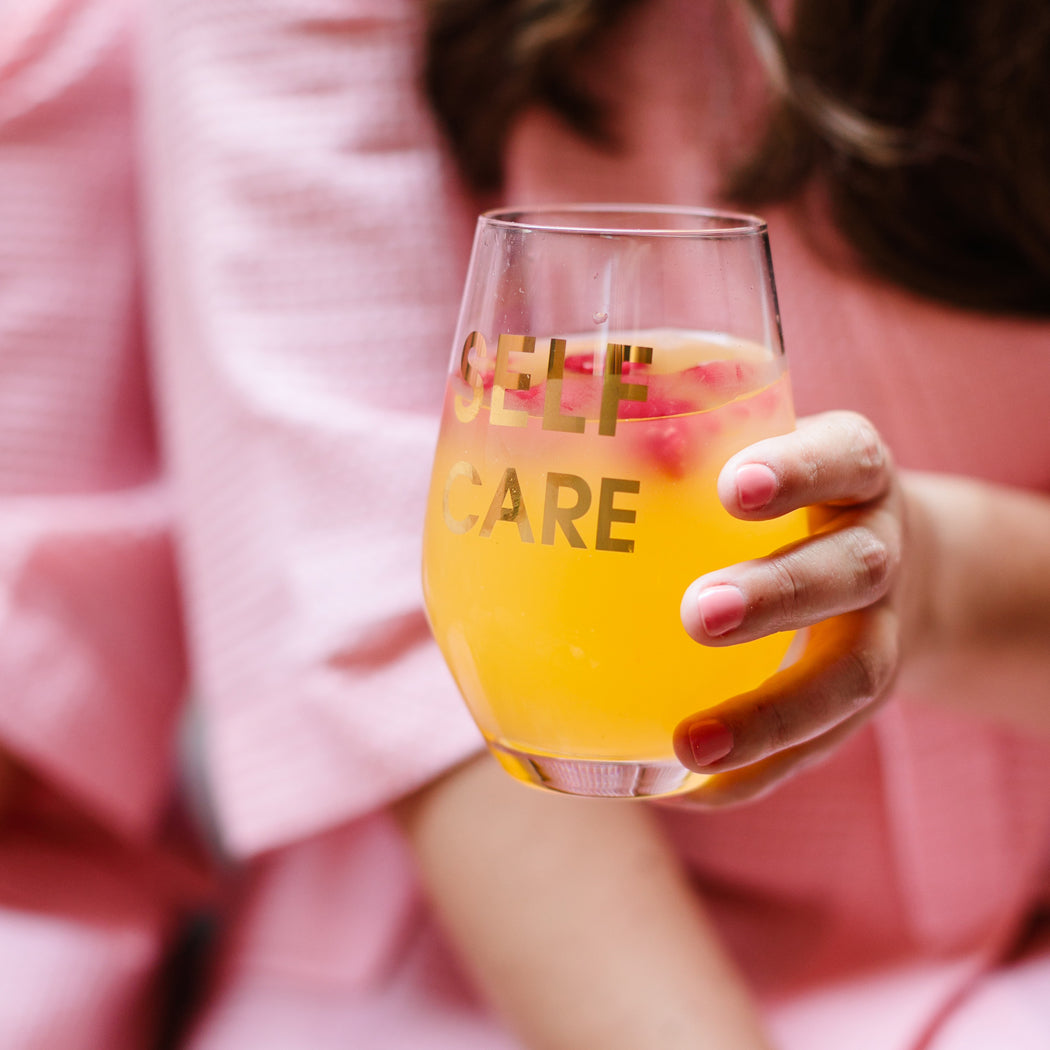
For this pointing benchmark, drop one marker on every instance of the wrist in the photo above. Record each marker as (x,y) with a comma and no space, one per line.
(921,603)
(974,596)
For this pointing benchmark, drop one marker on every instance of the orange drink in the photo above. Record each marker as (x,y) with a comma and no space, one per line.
(573,500)
(608,360)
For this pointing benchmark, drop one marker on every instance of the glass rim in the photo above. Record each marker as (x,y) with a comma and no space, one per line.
(707,223)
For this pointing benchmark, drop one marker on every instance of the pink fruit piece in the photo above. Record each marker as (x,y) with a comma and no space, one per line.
(654,407)
(666,442)
(583,364)
(580,363)
(717,374)
(581,398)
(721,381)
(530,400)
(767,403)
(739,413)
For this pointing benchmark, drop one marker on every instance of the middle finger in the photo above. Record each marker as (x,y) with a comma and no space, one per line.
(847,565)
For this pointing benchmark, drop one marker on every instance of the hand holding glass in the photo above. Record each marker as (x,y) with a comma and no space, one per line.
(607,362)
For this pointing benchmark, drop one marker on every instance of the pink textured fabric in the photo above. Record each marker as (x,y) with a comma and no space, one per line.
(91,656)
(84,927)
(309,242)
(90,652)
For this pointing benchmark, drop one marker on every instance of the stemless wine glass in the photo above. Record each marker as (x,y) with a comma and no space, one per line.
(607,361)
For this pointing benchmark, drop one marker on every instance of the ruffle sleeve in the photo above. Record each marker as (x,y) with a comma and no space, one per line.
(308,245)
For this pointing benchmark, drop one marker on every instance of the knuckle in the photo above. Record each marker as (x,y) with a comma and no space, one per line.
(788,588)
(776,726)
(811,461)
(870,671)
(866,445)
(846,439)
(873,558)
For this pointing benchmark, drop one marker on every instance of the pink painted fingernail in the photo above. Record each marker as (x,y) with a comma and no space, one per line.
(709,741)
(721,608)
(756,485)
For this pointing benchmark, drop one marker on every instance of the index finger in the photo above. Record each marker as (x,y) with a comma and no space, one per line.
(835,457)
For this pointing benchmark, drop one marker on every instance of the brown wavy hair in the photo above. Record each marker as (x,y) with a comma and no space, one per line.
(928,121)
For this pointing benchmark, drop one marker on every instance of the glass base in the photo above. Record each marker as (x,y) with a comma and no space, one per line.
(594,777)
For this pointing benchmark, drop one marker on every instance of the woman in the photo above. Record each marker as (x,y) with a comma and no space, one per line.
(310,233)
